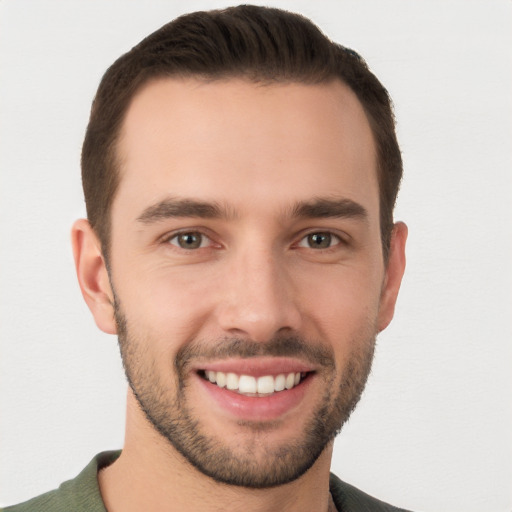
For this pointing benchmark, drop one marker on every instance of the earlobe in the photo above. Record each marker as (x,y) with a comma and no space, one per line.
(92,275)
(394,273)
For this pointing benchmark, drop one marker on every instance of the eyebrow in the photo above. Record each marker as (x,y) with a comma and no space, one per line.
(316,208)
(329,208)
(176,208)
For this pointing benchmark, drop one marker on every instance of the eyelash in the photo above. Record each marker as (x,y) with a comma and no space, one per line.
(175,236)
(331,237)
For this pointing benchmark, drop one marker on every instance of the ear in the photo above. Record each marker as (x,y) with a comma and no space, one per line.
(393,277)
(92,275)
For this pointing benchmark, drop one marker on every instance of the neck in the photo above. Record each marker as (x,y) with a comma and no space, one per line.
(151,475)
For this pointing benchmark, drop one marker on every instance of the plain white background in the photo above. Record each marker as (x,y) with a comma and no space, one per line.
(434,429)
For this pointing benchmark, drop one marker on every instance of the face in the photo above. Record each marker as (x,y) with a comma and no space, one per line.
(247,270)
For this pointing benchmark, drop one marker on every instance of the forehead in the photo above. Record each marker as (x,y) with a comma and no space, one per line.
(237,141)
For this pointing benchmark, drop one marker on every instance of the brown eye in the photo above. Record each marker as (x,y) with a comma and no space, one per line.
(319,240)
(192,240)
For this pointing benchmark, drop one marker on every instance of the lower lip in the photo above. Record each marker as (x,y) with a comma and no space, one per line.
(265,408)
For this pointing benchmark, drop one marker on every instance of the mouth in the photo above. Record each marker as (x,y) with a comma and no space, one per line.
(254,386)
(257,390)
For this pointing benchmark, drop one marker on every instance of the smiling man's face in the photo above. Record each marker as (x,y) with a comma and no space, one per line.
(247,269)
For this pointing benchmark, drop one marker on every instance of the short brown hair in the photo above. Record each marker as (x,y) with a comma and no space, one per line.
(260,44)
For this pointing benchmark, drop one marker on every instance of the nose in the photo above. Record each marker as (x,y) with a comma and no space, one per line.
(259,300)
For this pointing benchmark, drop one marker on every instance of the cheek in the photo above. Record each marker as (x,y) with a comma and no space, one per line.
(167,303)
(342,303)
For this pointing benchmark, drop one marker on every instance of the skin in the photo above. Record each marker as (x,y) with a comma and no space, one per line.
(257,151)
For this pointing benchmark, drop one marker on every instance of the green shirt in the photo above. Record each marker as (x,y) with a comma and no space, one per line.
(82,494)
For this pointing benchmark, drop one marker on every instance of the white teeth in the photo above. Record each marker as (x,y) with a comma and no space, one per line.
(231,381)
(290,381)
(247,384)
(266,384)
(280,382)
(221,379)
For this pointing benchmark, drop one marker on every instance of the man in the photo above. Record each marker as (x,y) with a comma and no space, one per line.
(240,172)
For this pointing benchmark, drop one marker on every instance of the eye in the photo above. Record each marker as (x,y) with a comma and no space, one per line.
(189,240)
(320,240)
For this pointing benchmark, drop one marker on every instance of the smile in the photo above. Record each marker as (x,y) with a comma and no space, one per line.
(255,386)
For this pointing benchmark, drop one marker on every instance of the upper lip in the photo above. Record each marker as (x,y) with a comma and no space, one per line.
(257,366)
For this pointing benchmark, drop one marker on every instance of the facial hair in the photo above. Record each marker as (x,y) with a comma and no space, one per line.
(253,464)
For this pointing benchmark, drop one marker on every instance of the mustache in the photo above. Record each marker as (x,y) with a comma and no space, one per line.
(289,346)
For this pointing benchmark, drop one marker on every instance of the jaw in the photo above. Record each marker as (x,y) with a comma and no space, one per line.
(150,471)
(242,439)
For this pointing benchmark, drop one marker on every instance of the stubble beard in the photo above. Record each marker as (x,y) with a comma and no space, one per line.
(254,464)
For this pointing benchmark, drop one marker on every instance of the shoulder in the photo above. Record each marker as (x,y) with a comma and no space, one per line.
(52,501)
(81,494)
(348,498)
